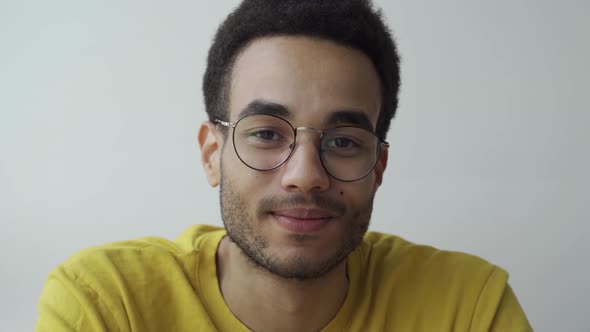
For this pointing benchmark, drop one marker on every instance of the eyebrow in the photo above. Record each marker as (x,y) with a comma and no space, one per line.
(259,106)
(352,117)
(341,117)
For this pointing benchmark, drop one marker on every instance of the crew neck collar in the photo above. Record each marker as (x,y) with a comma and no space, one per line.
(225,320)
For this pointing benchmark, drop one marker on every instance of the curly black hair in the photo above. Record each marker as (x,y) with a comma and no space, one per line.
(352,23)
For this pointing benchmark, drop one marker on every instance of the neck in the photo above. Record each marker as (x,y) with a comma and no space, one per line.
(287,304)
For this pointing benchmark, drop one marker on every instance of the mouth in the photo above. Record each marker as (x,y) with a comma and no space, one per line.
(303,220)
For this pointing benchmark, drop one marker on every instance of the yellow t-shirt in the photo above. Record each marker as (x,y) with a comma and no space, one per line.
(153,284)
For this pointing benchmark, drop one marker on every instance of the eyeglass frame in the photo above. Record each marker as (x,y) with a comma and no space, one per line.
(382,143)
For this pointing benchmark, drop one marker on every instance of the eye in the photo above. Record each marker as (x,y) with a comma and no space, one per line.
(265,138)
(346,142)
(341,143)
(266,134)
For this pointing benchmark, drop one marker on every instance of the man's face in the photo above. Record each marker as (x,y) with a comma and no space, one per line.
(297,221)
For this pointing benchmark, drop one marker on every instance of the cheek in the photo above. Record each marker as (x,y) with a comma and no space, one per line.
(233,166)
(356,195)
(249,184)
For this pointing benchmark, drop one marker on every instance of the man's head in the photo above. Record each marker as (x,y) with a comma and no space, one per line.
(352,23)
(317,65)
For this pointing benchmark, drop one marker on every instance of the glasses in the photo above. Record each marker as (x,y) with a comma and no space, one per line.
(264,142)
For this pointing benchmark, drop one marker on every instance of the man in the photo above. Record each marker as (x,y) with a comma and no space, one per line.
(300,96)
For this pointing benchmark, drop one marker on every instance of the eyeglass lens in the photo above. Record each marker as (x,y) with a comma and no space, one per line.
(265,142)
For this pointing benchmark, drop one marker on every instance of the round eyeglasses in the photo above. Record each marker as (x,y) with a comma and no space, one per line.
(264,142)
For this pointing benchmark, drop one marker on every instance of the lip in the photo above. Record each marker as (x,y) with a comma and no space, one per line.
(302,220)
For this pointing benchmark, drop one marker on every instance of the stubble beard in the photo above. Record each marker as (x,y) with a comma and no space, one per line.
(242,230)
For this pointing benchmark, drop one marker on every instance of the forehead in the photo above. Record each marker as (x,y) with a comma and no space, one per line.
(310,78)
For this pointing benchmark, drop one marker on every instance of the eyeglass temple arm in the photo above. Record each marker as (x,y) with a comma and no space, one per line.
(225,124)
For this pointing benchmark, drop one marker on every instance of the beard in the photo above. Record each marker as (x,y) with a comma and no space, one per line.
(242,229)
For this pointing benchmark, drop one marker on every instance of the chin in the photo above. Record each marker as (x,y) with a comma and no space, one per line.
(303,257)
(301,266)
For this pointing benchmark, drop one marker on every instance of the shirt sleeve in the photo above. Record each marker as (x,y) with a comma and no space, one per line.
(510,316)
(497,308)
(66,304)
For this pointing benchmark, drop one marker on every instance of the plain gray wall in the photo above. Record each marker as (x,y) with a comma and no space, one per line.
(100,105)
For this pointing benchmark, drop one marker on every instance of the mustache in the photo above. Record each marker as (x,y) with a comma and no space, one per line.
(296,200)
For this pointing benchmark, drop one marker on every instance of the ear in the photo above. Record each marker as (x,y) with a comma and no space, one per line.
(211,144)
(380,168)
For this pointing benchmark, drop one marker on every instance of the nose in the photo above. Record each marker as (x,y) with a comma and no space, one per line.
(303,171)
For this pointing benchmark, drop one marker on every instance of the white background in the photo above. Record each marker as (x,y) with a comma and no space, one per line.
(100,104)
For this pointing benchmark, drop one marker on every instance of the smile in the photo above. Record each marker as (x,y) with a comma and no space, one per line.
(302,220)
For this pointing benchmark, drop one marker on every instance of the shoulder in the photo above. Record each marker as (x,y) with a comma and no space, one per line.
(131,254)
(427,277)
(120,283)
(190,241)
(420,287)
(393,254)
